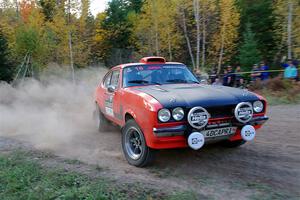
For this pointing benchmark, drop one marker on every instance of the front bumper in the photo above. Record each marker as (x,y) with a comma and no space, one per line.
(259,120)
(176,136)
(170,131)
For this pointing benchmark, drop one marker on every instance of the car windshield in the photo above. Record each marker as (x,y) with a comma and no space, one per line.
(157,75)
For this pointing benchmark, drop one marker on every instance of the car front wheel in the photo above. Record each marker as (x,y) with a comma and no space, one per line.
(134,145)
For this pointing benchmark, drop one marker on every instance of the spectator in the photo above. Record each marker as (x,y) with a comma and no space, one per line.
(225,78)
(217,82)
(290,61)
(283,63)
(213,75)
(291,72)
(231,76)
(239,80)
(197,74)
(264,74)
(255,75)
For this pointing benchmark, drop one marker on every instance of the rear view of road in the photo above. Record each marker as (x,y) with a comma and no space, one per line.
(269,167)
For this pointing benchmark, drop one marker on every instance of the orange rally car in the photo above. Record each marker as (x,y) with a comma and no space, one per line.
(161,105)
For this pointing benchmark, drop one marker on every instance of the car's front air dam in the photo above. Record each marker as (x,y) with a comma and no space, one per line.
(174,137)
(169,131)
(171,142)
(256,120)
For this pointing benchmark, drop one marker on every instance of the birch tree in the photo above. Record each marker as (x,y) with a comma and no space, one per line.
(225,38)
(186,35)
(196,8)
(209,12)
(288,22)
(156,30)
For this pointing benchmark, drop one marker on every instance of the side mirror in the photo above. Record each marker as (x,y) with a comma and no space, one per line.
(111,88)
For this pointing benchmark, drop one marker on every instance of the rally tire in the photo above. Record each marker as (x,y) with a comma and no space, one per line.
(134,146)
(102,123)
(233,144)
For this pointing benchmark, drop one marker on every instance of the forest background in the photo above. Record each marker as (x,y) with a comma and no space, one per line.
(204,34)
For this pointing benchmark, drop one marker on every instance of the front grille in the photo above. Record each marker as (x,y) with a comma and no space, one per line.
(218,124)
(222,111)
(216,117)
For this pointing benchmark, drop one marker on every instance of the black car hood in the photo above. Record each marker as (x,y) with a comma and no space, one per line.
(191,95)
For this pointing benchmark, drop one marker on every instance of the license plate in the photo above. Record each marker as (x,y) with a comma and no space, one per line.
(219,132)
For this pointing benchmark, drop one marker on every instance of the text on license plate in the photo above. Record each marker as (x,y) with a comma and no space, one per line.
(220,132)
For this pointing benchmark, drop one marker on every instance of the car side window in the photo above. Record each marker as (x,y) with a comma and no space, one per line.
(106,80)
(115,78)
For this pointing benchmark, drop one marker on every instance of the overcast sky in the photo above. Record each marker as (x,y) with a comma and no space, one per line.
(98,6)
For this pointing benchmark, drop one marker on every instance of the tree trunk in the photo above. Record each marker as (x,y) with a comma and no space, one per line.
(221,54)
(70,43)
(17,8)
(203,40)
(156,41)
(71,57)
(187,38)
(289,29)
(155,27)
(170,47)
(197,20)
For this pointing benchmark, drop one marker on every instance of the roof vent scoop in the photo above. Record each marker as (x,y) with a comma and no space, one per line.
(153,59)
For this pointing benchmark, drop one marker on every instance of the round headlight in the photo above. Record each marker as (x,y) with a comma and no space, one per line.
(258,106)
(178,114)
(164,115)
(243,112)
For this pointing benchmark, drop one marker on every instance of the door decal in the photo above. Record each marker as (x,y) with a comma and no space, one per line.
(109,105)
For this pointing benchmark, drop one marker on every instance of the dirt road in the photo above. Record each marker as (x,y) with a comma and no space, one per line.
(267,168)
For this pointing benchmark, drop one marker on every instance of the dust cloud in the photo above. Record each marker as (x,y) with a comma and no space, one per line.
(50,113)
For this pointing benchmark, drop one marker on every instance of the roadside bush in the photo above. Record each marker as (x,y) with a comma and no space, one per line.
(279,84)
(278,90)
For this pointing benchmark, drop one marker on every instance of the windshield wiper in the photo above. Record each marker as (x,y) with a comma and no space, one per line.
(138,81)
(181,81)
(190,81)
(143,81)
(176,81)
(156,83)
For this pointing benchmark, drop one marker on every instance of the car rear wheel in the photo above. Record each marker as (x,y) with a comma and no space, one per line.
(134,145)
(233,144)
(101,122)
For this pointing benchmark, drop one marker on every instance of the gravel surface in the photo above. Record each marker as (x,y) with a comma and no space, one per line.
(269,167)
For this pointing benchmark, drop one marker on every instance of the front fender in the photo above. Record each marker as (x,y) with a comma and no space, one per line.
(143,108)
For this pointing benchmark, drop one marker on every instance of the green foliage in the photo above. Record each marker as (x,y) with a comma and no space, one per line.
(130,29)
(117,29)
(249,53)
(6,70)
(21,179)
(261,16)
(28,40)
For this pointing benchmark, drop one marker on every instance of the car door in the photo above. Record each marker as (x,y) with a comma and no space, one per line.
(112,97)
(102,90)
